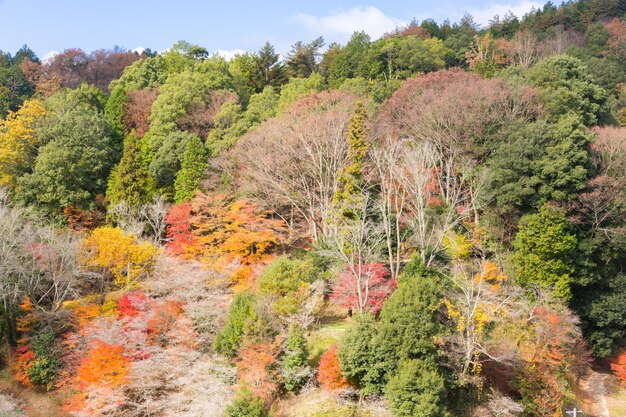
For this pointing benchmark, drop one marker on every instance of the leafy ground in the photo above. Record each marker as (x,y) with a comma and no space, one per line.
(19,401)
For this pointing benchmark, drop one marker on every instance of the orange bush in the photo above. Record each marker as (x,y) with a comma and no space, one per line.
(329,372)
(257,369)
(104,366)
(618,366)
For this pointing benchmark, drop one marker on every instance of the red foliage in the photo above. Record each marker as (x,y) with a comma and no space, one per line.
(257,369)
(181,240)
(24,360)
(329,372)
(618,366)
(137,110)
(363,287)
(131,304)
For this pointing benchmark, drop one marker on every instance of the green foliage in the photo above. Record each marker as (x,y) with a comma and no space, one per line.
(358,354)
(241,319)
(350,180)
(168,158)
(408,321)
(46,364)
(231,122)
(372,352)
(246,405)
(538,162)
(287,280)
(130,181)
(294,369)
(192,170)
(417,390)
(567,88)
(543,252)
(114,110)
(297,88)
(80,150)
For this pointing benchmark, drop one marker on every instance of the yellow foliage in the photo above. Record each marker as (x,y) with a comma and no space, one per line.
(109,248)
(18,142)
(457,246)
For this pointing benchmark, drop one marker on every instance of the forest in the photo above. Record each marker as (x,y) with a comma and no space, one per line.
(429,224)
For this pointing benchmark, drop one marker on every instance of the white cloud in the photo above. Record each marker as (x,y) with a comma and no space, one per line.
(343,23)
(49,56)
(139,50)
(229,54)
(519,9)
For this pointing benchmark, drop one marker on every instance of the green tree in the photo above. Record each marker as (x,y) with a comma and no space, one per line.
(287,280)
(417,390)
(269,70)
(350,180)
(358,354)
(302,59)
(130,181)
(246,405)
(294,369)
(240,320)
(543,253)
(78,153)
(192,170)
(567,88)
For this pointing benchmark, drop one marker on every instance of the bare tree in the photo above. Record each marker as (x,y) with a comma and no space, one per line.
(147,220)
(294,160)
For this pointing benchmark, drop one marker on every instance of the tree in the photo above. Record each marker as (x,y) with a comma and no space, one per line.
(329,373)
(618,366)
(77,153)
(269,70)
(192,170)
(350,180)
(417,389)
(257,369)
(287,282)
(130,181)
(302,60)
(567,88)
(363,287)
(240,319)
(358,355)
(292,162)
(484,58)
(543,252)
(19,142)
(137,110)
(294,369)
(180,239)
(246,404)
(121,255)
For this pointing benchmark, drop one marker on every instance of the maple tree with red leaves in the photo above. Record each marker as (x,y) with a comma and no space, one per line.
(365,291)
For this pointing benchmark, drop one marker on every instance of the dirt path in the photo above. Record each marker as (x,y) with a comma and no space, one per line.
(593,394)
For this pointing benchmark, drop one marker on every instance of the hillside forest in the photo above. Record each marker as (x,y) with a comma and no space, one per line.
(429,224)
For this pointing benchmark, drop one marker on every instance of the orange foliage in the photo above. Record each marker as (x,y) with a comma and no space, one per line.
(180,239)
(104,366)
(618,366)
(329,372)
(83,220)
(235,236)
(257,369)
(25,359)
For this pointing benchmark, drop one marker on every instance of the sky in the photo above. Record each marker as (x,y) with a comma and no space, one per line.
(227,26)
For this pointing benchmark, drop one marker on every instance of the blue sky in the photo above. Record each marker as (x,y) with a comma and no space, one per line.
(55,25)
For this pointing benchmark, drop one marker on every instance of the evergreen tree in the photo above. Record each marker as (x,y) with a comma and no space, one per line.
(192,170)
(543,252)
(130,181)
(350,181)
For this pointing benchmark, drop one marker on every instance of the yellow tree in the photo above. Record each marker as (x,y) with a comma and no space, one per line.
(18,142)
(121,254)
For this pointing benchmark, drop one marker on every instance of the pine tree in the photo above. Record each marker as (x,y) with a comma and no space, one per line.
(130,181)
(192,170)
(351,177)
